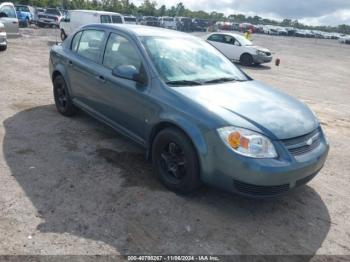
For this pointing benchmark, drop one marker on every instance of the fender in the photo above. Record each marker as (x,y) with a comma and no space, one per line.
(190,129)
(62,70)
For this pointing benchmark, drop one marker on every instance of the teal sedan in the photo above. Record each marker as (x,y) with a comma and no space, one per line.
(200,118)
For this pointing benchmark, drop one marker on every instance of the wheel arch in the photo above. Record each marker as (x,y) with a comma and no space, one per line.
(245,53)
(190,130)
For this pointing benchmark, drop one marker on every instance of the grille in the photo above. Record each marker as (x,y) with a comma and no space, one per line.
(260,190)
(298,146)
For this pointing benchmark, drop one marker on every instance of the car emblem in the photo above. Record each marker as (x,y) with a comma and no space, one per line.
(309,142)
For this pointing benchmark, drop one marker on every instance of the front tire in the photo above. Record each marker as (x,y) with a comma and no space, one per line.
(3,47)
(175,161)
(246,60)
(63,100)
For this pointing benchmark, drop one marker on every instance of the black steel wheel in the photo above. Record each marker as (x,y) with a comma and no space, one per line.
(63,100)
(175,161)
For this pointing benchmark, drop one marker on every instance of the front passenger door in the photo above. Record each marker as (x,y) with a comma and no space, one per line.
(123,101)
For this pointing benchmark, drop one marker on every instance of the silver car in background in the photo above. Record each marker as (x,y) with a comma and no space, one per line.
(8,17)
(3,38)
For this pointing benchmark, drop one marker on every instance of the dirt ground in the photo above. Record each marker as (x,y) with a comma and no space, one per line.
(73,186)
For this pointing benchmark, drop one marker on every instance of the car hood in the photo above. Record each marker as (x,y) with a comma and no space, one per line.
(270,111)
(259,48)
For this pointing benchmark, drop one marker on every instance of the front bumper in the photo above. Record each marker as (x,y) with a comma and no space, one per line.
(261,59)
(221,167)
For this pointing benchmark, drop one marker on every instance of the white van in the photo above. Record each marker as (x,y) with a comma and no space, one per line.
(77,18)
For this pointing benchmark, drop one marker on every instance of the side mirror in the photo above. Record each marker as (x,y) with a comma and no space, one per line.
(237,43)
(66,19)
(129,72)
(2,14)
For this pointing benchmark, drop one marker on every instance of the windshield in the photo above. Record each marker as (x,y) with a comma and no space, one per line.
(189,59)
(243,40)
(53,11)
(22,8)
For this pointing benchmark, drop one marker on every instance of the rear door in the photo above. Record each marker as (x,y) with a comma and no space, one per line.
(83,65)
(10,20)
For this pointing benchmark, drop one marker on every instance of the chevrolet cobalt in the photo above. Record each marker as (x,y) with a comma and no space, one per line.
(200,119)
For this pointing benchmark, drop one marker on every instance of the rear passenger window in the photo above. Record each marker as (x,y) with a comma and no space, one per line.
(116,19)
(119,51)
(105,19)
(75,42)
(91,44)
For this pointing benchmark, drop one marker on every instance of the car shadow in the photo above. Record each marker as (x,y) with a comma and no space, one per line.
(255,67)
(86,180)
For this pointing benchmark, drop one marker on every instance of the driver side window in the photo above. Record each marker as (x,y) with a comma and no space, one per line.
(119,51)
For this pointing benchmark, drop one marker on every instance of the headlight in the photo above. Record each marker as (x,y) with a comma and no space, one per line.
(247,143)
(259,52)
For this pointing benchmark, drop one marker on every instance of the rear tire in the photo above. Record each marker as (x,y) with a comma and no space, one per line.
(246,60)
(63,100)
(175,161)
(3,47)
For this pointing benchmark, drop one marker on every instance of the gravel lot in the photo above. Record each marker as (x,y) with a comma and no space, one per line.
(73,186)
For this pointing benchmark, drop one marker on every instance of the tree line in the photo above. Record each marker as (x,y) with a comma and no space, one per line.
(150,8)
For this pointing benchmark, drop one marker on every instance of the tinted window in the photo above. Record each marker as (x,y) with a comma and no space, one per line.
(9,11)
(75,41)
(90,44)
(105,19)
(119,51)
(116,19)
(216,38)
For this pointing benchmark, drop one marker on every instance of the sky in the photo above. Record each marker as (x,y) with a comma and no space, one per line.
(314,12)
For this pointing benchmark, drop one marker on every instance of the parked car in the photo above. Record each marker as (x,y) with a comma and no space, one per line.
(225,25)
(130,19)
(8,17)
(51,17)
(199,117)
(167,22)
(184,24)
(25,14)
(150,21)
(200,24)
(77,18)
(3,38)
(237,48)
(344,39)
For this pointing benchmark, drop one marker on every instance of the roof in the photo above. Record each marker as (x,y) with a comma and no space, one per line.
(96,12)
(142,30)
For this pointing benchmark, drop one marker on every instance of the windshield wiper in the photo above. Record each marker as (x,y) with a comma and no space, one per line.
(184,82)
(221,80)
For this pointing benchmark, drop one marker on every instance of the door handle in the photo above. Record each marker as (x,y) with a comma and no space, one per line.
(101,79)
